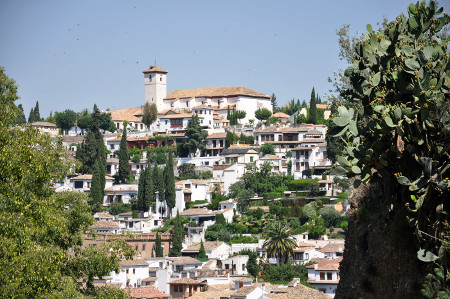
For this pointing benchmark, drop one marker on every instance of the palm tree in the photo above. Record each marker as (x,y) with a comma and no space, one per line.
(279,243)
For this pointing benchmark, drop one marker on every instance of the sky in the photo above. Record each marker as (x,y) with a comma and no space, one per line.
(74,54)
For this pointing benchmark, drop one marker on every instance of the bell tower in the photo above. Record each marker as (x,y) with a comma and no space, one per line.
(155,82)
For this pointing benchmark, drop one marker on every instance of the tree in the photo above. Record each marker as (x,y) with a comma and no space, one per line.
(31,116)
(273,100)
(149,193)
(105,123)
(220,219)
(263,114)
(329,215)
(177,237)
(41,226)
(50,119)
(187,171)
(21,119)
(84,121)
(149,114)
(202,251)
(37,114)
(309,211)
(267,149)
(169,192)
(158,182)
(195,135)
(252,265)
(96,185)
(230,139)
(158,247)
(279,242)
(124,158)
(312,108)
(243,200)
(65,120)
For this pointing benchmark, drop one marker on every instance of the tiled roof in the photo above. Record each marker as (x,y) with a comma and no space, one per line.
(209,245)
(298,292)
(147,292)
(129,114)
(323,106)
(244,291)
(303,148)
(43,124)
(197,211)
(332,247)
(215,92)
(270,157)
(89,177)
(150,279)
(184,260)
(193,181)
(326,265)
(136,262)
(104,215)
(282,129)
(105,224)
(112,160)
(244,279)
(155,69)
(281,115)
(126,213)
(313,140)
(202,107)
(213,294)
(239,150)
(303,249)
(217,135)
(180,115)
(313,132)
(186,281)
(124,187)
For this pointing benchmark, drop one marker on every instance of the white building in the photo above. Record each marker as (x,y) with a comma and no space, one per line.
(219,98)
(237,263)
(108,227)
(46,128)
(278,164)
(305,252)
(214,250)
(82,183)
(120,194)
(324,276)
(131,274)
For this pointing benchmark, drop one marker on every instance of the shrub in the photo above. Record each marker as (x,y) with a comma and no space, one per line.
(301,185)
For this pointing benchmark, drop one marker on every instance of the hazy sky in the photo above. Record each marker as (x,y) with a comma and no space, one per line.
(72,54)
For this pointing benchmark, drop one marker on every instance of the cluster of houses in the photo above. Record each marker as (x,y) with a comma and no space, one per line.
(224,268)
(300,150)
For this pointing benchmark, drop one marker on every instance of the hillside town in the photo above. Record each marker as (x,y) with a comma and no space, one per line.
(222,224)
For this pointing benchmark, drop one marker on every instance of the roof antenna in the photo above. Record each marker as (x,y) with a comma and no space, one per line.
(155,60)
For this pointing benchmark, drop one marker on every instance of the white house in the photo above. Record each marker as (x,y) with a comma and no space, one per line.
(237,263)
(305,252)
(105,216)
(309,156)
(324,276)
(184,266)
(214,250)
(109,227)
(190,190)
(215,143)
(120,194)
(131,274)
(249,292)
(46,128)
(82,183)
(333,250)
(278,164)
(228,204)
(132,115)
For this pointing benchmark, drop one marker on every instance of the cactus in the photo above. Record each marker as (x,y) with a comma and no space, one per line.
(400,135)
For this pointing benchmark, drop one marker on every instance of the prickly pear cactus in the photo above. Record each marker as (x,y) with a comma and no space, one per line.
(398,129)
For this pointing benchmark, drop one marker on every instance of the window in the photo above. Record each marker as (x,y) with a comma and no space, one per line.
(187,186)
(111,146)
(143,247)
(175,288)
(195,186)
(166,122)
(322,275)
(150,78)
(134,271)
(251,159)
(127,271)
(329,276)
(243,267)
(78,184)
(88,184)
(160,78)
(187,104)
(137,247)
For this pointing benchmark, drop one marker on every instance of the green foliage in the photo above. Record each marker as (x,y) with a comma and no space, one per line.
(158,247)
(309,211)
(215,202)
(65,120)
(278,241)
(315,231)
(235,115)
(292,107)
(397,126)
(273,100)
(124,165)
(195,135)
(158,182)
(252,265)
(159,158)
(220,219)
(312,108)
(190,204)
(177,237)
(96,192)
(119,208)
(21,119)
(149,114)
(279,274)
(267,149)
(330,215)
(263,114)
(187,171)
(239,239)
(169,179)
(301,185)
(202,251)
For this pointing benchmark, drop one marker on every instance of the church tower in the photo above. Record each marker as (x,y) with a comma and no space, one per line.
(155,82)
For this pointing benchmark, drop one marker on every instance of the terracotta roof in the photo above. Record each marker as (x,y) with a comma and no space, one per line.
(105,224)
(126,213)
(202,107)
(150,279)
(245,290)
(155,69)
(209,245)
(43,124)
(124,187)
(217,135)
(332,247)
(193,181)
(213,294)
(303,249)
(313,132)
(244,279)
(326,265)
(184,260)
(302,148)
(282,129)
(129,114)
(215,92)
(88,177)
(197,211)
(265,209)
(313,140)
(270,157)
(180,115)
(323,106)
(298,292)
(112,160)
(104,215)
(136,262)
(281,115)
(147,292)
(186,281)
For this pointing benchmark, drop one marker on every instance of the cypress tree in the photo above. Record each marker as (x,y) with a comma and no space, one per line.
(158,247)
(149,193)
(21,119)
(96,185)
(102,163)
(89,152)
(158,182)
(124,165)
(141,187)
(177,237)
(37,114)
(170,184)
(31,116)
(312,108)
(202,251)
